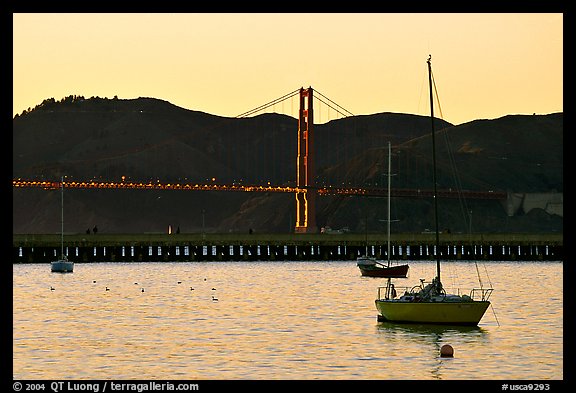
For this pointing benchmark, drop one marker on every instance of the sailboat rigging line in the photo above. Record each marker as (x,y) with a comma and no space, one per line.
(458,183)
(422,84)
(478,273)
(458,186)
(494,312)
(389,195)
(433,132)
(437,98)
(456,177)
(62,217)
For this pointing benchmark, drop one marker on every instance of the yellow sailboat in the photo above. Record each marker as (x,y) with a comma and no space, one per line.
(428,302)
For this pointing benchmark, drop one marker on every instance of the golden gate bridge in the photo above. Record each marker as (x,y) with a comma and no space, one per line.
(367,191)
(305,186)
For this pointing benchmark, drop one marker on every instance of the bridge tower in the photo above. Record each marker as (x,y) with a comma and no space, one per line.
(306,199)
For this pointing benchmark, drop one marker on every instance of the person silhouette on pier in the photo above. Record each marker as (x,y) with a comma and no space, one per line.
(95,229)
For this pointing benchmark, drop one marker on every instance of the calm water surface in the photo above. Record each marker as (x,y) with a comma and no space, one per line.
(275,320)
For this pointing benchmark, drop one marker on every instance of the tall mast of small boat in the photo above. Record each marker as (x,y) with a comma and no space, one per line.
(434,169)
(389,176)
(62,217)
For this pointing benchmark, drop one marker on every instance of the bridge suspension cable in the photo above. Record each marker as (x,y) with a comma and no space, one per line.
(325,100)
(338,110)
(269,104)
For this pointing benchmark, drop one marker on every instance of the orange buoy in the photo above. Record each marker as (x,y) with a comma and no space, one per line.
(446,351)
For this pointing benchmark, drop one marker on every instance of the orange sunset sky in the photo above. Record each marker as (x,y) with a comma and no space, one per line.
(486,65)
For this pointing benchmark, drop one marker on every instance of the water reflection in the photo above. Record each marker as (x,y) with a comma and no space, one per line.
(416,339)
(426,330)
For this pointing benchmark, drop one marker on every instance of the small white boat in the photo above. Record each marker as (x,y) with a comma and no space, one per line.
(63,265)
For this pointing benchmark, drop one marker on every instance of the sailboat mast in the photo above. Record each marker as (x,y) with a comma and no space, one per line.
(62,217)
(389,176)
(434,168)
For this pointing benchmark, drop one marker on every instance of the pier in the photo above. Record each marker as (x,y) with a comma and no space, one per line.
(183,247)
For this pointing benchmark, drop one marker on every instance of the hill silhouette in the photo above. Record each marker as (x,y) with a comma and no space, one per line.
(147,139)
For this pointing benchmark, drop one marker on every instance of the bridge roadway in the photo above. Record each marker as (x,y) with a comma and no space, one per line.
(327,190)
(101,247)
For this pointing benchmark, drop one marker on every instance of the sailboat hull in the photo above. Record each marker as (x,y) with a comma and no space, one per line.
(62,266)
(398,271)
(443,313)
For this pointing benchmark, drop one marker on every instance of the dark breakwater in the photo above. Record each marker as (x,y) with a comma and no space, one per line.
(38,248)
